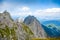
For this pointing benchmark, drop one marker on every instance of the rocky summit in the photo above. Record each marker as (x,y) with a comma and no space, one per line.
(35,26)
(13,30)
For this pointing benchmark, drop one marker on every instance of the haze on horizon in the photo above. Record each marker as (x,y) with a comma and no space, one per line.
(42,9)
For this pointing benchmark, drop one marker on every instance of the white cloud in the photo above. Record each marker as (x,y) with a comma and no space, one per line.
(52,10)
(21,11)
(25,8)
(6,6)
(51,13)
(48,14)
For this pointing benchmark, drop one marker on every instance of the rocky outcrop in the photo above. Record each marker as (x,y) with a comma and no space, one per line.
(7,27)
(13,30)
(35,26)
(5,19)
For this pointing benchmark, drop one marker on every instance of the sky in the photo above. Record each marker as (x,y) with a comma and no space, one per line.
(41,9)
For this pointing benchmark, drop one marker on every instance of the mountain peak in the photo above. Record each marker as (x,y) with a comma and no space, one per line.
(6,13)
(35,26)
(5,18)
(29,19)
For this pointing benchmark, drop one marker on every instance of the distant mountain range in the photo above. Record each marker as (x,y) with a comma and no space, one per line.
(52,31)
(56,22)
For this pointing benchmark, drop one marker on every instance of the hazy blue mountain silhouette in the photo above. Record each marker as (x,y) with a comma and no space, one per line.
(56,22)
(52,32)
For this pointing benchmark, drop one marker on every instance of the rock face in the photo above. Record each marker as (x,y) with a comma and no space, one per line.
(35,26)
(5,19)
(13,30)
(7,27)
(23,32)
